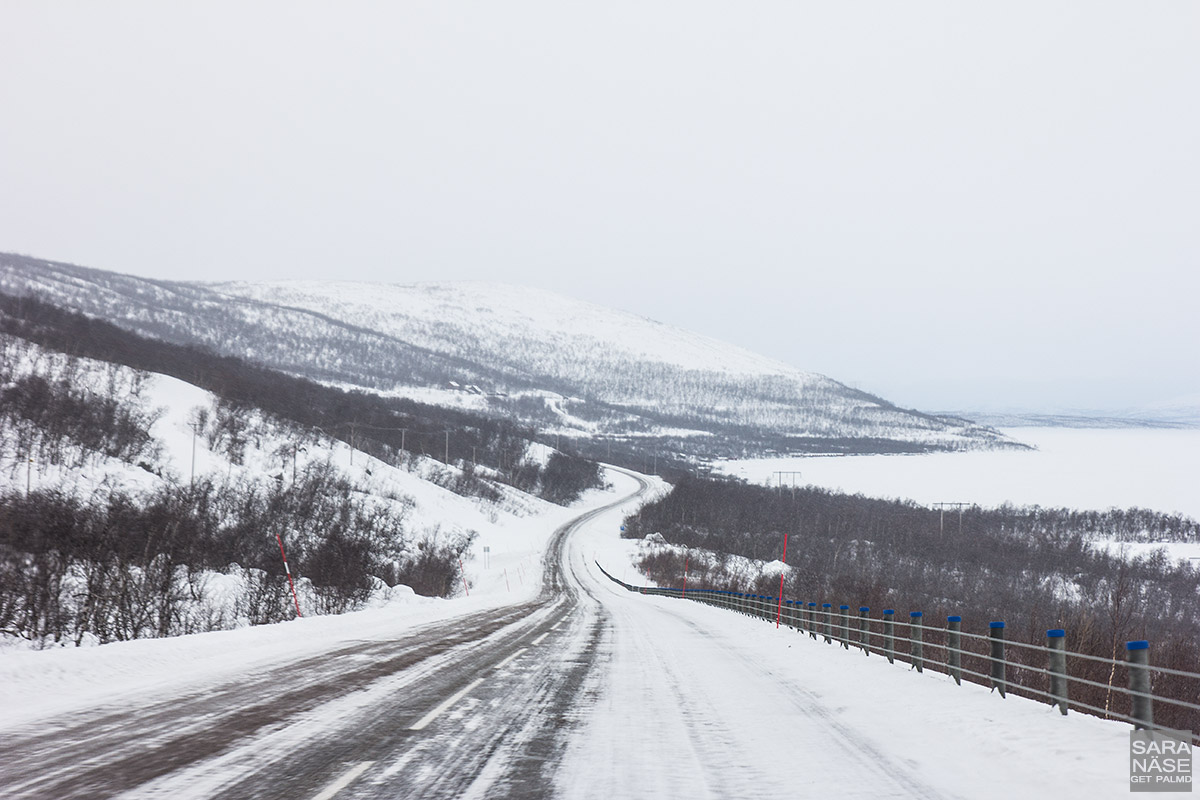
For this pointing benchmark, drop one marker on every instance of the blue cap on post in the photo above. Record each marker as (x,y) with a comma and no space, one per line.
(1137,645)
(954,619)
(864,609)
(889,611)
(995,624)
(915,614)
(1056,633)
(845,608)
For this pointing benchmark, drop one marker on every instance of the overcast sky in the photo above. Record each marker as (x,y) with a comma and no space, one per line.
(954,205)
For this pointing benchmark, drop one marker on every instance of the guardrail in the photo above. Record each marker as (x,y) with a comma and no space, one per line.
(1044,672)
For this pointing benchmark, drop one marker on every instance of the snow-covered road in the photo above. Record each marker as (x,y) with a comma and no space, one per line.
(690,700)
(587,691)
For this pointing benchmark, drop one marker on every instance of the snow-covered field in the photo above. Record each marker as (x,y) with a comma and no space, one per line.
(1076,468)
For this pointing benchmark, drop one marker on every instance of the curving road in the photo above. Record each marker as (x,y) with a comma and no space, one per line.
(474,706)
(589,692)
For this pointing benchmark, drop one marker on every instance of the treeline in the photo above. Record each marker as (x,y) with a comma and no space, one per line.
(1035,568)
(385,427)
(179,560)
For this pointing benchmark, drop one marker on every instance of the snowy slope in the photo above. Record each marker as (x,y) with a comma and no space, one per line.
(513,528)
(555,363)
(598,353)
(483,320)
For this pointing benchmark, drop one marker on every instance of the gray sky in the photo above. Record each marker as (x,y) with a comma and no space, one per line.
(954,205)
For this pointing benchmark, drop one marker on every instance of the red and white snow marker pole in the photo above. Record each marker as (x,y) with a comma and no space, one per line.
(779,611)
(463,572)
(288,570)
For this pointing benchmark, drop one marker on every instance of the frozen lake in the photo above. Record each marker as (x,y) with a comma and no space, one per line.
(1077,468)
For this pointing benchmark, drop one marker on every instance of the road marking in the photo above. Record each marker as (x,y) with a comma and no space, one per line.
(538,640)
(341,783)
(555,626)
(504,663)
(449,701)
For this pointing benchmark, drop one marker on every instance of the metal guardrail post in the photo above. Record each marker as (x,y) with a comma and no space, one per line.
(996,629)
(954,647)
(1138,654)
(915,636)
(1056,641)
(889,634)
(812,620)
(845,626)
(864,635)
(827,608)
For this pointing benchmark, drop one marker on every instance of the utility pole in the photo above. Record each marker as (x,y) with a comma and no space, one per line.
(195,426)
(943,506)
(473,462)
(447,447)
(794,475)
(295,449)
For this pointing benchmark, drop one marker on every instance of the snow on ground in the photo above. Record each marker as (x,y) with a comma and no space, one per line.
(38,684)
(276,451)
(504,563)
(500,313)
(695,701)
(1075,468)
(1175,551)
(687,700)
(431,395)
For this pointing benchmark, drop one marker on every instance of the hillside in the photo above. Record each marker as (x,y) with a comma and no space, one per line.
(560,365)
(136,504)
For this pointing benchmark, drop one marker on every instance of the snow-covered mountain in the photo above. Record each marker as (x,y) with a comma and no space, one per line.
(558,364)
